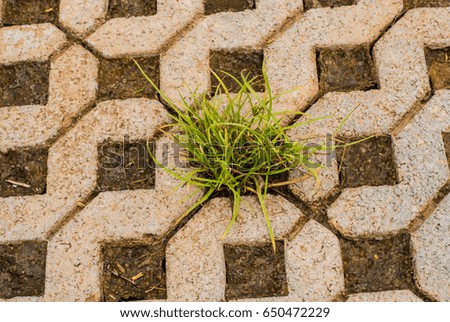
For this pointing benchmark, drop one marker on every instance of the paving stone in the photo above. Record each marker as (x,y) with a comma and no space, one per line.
(388,296)
(29,43)
(22,269)
(188,60)
(291,58)
(422,170)
(431,251)
(141,215)
(196,267)
(27,12)
(74,234)
(72,165)
(140,36)
(373,113)
(71,89)
(81,17)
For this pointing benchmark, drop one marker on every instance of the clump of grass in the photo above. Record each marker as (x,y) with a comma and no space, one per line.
(237,142)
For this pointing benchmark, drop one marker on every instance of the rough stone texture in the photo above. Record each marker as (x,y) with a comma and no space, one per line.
(29,43)
(72,88)
(187,61)
(388,296)
(72,165)
(196,263)
(422,170)
(140,36)
(80,17)
(375,112)
(431,251)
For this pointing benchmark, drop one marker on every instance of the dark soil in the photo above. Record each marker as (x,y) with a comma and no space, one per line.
(438,62)
(312,4)
(24,84)
(255,271)
(124,166)
(120,78)
(235,63)
(26,12)
(346,69)
(22,269)
(26,166)
(446,138)
(215,6)
(411,4)
(133,271)
(377,265)
(368,163)
(131,8)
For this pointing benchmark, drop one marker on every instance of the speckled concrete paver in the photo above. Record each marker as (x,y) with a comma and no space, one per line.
(394,89)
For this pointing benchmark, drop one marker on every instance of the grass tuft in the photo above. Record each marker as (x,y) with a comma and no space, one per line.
(236,142)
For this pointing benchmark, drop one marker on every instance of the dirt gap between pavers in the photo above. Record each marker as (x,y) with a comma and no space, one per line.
(346,69)
(23,172)
(22,269)
(27,12)
(216,6)
(375,265)
(367,163)
(234,63)
(446,139)
(131,8)
(133,270)
(124,165)
(255,271)
(120,78)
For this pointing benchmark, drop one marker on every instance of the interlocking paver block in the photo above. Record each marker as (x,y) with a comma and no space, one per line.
(29,43)
(113,216)
(376,112)
(291,58)
(422,170)
(72,88)
(431,251)
(196,265)
(187,61)
(81,17)
(72,165)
